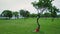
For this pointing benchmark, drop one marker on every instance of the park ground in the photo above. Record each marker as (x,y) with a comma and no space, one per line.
(27,26)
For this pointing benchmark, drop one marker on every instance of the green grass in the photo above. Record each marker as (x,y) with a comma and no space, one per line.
(27,26)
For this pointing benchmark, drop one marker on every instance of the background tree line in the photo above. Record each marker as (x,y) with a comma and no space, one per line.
(24,13)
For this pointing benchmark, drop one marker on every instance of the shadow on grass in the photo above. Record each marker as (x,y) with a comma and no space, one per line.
(40,32)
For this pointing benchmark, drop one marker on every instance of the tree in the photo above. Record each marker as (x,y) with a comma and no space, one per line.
(16,14)
(27,13)
(33,15)
(24,13)
(0,15)
(47,15)
(7,13)
(54,11)
(41,5)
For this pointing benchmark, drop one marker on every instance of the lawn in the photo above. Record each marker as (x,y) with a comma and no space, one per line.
(27,26)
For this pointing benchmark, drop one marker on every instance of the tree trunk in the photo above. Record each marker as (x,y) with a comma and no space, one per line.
(38,23)
(38,16)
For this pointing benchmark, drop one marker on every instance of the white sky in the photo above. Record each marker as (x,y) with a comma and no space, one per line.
(16,5)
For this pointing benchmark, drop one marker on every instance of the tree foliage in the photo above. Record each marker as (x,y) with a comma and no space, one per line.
(33,15)
(47,14)
(7,13)
(42,4)
(24,13)
(16,14)
(45,4)
(27,13)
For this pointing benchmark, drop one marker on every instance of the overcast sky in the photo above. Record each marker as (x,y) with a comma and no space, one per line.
(16,5)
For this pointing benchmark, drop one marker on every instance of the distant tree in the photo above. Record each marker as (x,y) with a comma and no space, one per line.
(27,13)
(58,15)
(16,14)
(7,13)
(47,14)
(54,11)
(33,15)
(0,15)
(24,13)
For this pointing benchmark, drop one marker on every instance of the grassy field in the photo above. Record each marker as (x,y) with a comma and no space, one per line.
(27,26)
